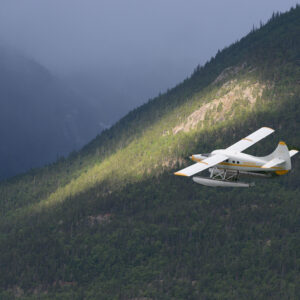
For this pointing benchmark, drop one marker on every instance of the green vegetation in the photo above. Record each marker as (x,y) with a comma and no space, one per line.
(112,222)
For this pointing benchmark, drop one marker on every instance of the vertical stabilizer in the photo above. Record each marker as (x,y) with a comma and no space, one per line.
(281,152)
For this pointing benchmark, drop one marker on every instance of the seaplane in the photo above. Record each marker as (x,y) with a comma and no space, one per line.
(226,166)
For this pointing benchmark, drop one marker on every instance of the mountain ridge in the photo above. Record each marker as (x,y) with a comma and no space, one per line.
(158,236)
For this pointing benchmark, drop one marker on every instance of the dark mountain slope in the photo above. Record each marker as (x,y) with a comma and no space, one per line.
(112,221)
(40,119)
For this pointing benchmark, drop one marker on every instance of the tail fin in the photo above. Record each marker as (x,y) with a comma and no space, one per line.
(281,153)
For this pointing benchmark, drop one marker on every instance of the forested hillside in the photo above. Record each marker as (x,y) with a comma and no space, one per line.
(112,221)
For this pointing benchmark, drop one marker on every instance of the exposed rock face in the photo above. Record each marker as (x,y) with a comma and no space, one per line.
(245,92)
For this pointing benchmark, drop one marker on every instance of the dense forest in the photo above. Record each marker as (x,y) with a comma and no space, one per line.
(111,221)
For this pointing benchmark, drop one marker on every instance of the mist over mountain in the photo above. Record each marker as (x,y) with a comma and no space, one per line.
(40,119)
(119,89)
(124,53)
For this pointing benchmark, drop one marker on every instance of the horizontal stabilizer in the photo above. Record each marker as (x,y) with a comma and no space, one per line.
(202,165)
(273,162)
(293,152)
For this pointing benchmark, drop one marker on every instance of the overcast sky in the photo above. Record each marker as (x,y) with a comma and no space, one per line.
(152,44)
(67,34)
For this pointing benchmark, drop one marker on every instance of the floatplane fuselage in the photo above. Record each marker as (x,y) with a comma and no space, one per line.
(226,165)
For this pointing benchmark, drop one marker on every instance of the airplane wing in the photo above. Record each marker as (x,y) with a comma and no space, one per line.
(251,139)
(202,165)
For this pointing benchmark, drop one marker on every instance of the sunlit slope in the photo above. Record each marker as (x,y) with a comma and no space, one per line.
(113,220)
(208,114)
(165,144)
(245,63)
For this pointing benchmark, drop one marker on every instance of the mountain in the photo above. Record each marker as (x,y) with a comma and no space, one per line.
(40,119)
(111,221)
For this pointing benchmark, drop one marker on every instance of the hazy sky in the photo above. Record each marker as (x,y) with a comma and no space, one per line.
(125,51)
(67,34)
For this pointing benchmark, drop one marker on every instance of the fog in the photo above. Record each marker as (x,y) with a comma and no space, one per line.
(117,54)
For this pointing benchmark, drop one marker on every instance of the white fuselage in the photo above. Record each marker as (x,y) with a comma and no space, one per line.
(239,161)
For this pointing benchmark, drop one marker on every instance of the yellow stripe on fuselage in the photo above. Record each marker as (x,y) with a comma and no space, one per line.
(244,165)
(253,165)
